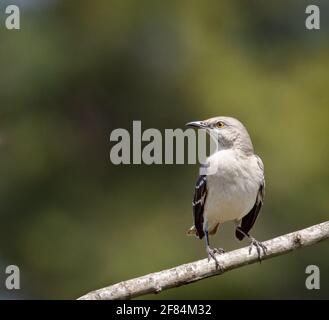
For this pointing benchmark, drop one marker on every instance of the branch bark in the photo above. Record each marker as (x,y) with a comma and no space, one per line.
(198,270)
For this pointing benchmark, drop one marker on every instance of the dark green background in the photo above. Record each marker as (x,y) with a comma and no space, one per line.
(76,70)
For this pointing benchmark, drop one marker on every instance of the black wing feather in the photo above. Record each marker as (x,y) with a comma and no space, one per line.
(249,220)
(199,199)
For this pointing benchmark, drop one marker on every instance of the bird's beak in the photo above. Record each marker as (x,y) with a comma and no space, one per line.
(196,124)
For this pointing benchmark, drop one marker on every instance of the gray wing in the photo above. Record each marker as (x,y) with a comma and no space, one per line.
(199,199)
(249,220)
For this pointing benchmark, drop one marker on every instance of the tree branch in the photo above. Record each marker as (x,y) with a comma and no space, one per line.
(195,271)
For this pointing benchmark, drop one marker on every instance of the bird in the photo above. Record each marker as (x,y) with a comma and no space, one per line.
(234,191)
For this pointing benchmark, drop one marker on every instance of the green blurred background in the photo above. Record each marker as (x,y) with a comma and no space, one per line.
(72,221)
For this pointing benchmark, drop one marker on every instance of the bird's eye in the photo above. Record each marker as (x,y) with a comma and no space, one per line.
(219,124)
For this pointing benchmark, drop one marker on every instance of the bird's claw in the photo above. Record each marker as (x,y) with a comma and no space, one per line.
(212,254)
(259,246)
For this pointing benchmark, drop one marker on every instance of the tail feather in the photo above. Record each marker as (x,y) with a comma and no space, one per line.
(238,234)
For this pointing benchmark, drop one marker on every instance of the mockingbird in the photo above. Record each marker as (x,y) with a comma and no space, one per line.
(235,190)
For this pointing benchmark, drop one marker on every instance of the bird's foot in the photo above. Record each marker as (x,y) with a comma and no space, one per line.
(212,254)
(259,247)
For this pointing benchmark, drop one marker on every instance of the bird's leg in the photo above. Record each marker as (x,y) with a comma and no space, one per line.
(211,252)
(259,246)
(253,242)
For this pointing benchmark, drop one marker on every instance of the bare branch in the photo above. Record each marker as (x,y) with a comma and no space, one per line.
(195,271)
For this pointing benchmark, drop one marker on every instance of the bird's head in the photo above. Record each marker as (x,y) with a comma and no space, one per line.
(227,131)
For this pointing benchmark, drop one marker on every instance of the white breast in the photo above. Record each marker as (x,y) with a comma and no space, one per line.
(233,189)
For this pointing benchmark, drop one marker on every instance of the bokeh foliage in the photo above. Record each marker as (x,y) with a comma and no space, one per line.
(76,70)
